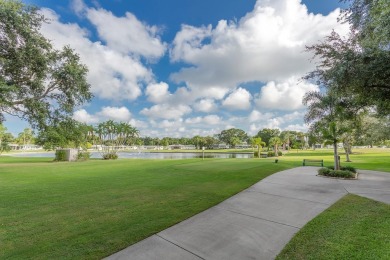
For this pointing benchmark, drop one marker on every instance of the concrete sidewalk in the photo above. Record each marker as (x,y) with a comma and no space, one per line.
(259,221)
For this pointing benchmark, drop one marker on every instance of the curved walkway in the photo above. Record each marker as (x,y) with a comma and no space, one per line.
(259,221)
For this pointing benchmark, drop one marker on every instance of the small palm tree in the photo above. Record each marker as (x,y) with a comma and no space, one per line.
(259,143)
(275,142)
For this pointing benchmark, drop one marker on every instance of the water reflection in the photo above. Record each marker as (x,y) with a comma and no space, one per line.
(135,155)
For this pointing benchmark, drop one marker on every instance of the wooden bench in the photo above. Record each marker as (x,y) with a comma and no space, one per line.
(308,161)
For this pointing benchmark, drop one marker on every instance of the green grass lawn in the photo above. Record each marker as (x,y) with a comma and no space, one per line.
(89,210)
(353,228)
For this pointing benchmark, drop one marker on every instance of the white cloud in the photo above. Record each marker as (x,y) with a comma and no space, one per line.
(205,121)
(157,92)
(121,114)
(166,111)
(112,74)
(256,115)
(286,96)
(115,113)
(205,105)
(240,99)
(127,34)
(84,117)
(265,45)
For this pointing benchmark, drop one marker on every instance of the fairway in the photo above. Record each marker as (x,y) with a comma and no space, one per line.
(92,209)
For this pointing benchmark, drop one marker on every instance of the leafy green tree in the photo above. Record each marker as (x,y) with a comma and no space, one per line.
(259,143)
(37,82)
(275,142)
(325,112)
(66,133)
(25,137)
(266,134)
(233,136)
(4,139)
(358,66)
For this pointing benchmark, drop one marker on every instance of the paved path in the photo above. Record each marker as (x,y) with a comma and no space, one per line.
(259,221)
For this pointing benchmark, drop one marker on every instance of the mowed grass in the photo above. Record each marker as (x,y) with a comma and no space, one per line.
(89,210)
(377,159)
(353,228)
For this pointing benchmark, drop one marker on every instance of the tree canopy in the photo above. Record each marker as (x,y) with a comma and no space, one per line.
(37,82)
(233,136)
(358,65)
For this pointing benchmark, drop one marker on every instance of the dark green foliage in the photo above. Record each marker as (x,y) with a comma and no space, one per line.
(272,153)
(66,133)
(336,173)
(48,83)
(344,168)
(83,155)
(110,156)
(233,136)
(266,134)
(60,155)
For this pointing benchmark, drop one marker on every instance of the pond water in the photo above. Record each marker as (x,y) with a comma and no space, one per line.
(140,155)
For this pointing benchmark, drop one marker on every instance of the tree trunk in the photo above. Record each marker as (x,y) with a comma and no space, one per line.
(258,151)
(276,150)
(336,156)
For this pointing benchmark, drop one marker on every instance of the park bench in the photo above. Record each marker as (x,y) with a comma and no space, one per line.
(308,161)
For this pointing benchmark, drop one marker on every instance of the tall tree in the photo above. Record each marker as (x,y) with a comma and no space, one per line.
(25,137)
(266,134)
(358,66)
(37,82)
(259,143)
(4,139)
(233,136)
(325,112)
(275,142)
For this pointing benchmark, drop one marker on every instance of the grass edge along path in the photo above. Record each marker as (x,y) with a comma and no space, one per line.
(352,228)
(92,209)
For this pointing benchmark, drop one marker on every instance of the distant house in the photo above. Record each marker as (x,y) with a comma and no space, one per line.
(25,147)
(181,147)
(221,146)
(243,146)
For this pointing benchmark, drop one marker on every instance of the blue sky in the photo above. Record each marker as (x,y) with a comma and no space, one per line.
(182,68)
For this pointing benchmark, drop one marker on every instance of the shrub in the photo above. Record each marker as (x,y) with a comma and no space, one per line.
(83,155)
(110,156)
(60,156)
(344,168)
(324,171)
(336,173)
(272,153)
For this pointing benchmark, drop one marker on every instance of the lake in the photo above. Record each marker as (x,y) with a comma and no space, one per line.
(149,155)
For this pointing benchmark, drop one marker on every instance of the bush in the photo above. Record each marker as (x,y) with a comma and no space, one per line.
(60,156)
(344,168)
(110,156)
(324,171)
(272,153)
(83,155)
(336,173)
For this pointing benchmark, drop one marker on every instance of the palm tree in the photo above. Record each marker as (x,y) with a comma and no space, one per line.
(257,141)
(326,111)
(275,142)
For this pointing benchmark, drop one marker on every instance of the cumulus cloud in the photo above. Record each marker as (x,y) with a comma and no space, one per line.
(120,114)
(240,99)
(205,105)
(84,117)
(115,113)
(113,74)
(157,92)
(265,45)
(166,111)
(286,95)
(256,115)
(129,36)
(207,120)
